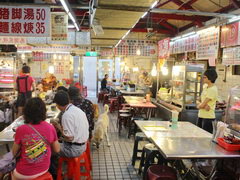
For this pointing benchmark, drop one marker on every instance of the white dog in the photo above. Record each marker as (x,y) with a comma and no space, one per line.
(101,127)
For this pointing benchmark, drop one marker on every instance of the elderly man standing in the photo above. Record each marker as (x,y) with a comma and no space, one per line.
(74,129)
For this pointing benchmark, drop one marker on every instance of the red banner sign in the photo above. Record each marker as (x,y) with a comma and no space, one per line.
(230,35)
(164,48)
(24,21)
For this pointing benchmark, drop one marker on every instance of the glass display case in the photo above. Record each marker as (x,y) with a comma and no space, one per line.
(232,116)
(186,84)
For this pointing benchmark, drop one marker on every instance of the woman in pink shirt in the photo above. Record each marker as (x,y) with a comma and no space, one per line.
(24,85)
(35,140)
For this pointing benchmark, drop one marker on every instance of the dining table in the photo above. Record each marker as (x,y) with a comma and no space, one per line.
(184,141)
(140,104)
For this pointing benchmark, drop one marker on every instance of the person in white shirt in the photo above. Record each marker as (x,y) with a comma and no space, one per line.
(74,128)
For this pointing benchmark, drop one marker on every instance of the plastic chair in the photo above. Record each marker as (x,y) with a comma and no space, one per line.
(46,176)
(74,164)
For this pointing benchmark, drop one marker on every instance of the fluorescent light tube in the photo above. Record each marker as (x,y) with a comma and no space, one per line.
(76,26)
(237,18)
(189,34)
(144,14)
(154,4)
(71,17)
(65,6)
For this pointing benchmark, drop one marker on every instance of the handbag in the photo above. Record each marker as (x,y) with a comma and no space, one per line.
(8,162)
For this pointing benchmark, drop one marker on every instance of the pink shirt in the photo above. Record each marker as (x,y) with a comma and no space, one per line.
(35,153)
(22,83)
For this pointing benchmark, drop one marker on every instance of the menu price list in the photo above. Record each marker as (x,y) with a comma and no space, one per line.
(208,43)
(231,56)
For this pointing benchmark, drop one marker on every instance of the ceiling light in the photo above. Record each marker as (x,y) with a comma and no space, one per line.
(154,70)
(144,14)
(51,69)
(65,6)
(176,38)
(138,52)
(154,4)
(118,43)
(76,26)
(189,34)
(71,17)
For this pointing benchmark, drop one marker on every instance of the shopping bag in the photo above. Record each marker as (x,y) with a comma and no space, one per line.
(7,163)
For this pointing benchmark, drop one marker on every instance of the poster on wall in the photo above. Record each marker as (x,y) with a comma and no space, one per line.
(164,48)
(208,43)
(230,35)
(59,28)
(28,21)
(231,56)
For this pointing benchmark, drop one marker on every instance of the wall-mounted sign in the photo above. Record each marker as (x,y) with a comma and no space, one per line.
(164,48)
(29,21)
(91,53)
(230,35)
(59,26)
(231,56)
(13,40)
(208,43)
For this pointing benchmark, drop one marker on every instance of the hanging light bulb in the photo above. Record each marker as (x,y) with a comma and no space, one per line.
(135,69)
(59,57)
(54,56)
(51,69)
(164,71)
(154,70)
(23,56)
(138,52)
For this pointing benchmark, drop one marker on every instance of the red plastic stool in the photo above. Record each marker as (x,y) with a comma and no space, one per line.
(88,151)
(73,170)
(46,176)
(84,162)
(157,172)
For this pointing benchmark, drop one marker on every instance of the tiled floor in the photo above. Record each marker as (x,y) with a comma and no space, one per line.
(114,162)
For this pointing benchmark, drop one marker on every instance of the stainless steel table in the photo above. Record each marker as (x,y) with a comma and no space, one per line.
(134,93)
(187,141)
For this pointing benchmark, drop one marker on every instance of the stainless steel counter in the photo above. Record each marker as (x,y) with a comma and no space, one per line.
(187,141)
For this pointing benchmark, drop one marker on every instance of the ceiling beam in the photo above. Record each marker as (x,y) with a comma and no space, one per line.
(162,4)
(182,5)
(123,7)
(177,17)
(169,26)
(162,31)
(236,3)
(201,13)
(105,38)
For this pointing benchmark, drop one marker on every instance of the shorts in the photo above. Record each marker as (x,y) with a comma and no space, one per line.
(22,98)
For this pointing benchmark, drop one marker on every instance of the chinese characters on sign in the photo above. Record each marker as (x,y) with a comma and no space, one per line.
(59,26)
(164,48)
(12,40)
(231,56)
(24,21)
(208,43)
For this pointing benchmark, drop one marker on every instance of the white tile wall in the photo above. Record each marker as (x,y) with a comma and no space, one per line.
(231,81)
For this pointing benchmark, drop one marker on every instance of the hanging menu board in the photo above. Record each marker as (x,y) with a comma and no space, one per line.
(28,21)
(231,56)
(59,26)
(230,35)
(164,48)
(208,43)
(187,44)
(130,47)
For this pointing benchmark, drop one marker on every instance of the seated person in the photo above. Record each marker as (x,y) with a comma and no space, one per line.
(74,130)
(34,161)
(104,83)
(84,104)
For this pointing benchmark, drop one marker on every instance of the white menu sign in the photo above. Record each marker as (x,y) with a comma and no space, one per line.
(28,21)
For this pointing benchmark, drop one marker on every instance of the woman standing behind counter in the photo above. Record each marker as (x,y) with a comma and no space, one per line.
(206,114)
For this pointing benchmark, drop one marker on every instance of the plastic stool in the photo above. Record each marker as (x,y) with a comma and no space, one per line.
(84,162)
(46,176)
(139,137)
(147,150)
(88,151)
(73,168)
(74,165)
(124,119)
(156,172)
